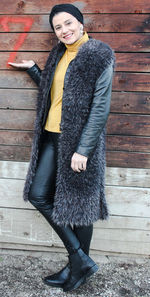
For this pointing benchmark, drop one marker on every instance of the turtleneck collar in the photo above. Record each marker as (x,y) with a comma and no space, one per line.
(75,46)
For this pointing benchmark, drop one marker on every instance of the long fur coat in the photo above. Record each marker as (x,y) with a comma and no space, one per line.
(80,197)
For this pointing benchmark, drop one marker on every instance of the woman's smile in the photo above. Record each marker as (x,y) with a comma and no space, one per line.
(67,36)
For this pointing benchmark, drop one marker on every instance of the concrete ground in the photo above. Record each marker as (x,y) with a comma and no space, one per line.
(21,275)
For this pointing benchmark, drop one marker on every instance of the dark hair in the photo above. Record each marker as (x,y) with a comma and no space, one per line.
(69,8)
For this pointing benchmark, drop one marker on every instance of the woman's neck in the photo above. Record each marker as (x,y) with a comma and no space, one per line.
(75,46)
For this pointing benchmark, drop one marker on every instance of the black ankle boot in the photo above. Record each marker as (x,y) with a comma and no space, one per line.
(81,267)
(58,279)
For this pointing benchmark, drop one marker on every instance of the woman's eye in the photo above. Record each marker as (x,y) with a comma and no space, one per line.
(68,23)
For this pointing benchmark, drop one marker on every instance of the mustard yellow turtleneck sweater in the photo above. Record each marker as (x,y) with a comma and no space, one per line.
(54,115)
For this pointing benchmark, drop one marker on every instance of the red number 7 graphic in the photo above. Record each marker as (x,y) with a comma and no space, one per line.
(28,21)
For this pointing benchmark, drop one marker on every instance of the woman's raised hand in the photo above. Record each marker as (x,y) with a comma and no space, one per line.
(23,65)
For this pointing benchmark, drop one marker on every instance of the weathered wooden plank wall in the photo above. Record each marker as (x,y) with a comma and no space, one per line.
(25,34)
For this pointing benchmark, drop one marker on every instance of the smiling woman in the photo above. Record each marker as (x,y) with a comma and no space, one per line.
(67,28)
(65,180)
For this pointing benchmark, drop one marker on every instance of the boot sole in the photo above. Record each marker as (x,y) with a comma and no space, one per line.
(53,284)
(82,280)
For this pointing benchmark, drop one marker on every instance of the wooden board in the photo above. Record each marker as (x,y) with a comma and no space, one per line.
(91,6)
(124,124)
(122,81)
(38,57)
(124,222)
(18,99)
(131,82)
(92,23)
(13,170)
(122,102)
(130,102)
(113,142)
(121,200)
(113,158)
(127,159)
(130,177)
(128,143)
(135,42)
(29,227)
(15,153)
(16,80)
(127,124)
(23,138)
(17,119)
(131,242)
(131,62)
(24,227)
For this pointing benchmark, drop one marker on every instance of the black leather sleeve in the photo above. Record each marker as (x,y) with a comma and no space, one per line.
(98,114)
(35,73)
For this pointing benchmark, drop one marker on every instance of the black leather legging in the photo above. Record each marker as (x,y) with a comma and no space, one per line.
(42,192)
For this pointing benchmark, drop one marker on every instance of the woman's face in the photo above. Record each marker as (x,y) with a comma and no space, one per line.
(67,28)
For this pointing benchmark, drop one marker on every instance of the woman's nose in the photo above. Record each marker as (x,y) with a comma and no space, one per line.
(64,29)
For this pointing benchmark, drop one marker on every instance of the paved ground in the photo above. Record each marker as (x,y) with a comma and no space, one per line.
(21,276)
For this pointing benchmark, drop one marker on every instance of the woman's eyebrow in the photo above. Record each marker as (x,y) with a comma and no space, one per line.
(67,20)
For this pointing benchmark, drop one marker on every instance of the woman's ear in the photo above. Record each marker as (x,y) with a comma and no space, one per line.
(81,29)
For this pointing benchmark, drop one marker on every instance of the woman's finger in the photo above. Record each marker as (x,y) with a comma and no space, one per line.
(84,165)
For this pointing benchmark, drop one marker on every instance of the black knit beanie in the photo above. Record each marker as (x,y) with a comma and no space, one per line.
(66,8)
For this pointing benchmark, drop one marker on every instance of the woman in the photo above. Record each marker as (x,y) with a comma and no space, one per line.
(65,180)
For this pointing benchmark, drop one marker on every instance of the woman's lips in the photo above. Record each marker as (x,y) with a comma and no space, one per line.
(68,36)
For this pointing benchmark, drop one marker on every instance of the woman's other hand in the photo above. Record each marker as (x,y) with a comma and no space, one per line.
(23,65)
(78,162)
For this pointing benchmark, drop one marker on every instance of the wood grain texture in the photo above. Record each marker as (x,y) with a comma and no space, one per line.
(128,143)
(29,228)
(131,82)
(92,23)
(125,124)
(38,57)
(23,138)
(16,80)
(130,177)
(135,42)
(88,6)
(121,200)
(121,102)
(113,142)
(13,170)
(122,81)
(113,158)
(24,227)
(14,153)
(18,99)
(115,176)
(127,159)
(130,102)
(131,62)
(17,119)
